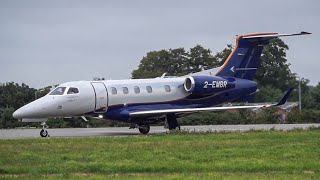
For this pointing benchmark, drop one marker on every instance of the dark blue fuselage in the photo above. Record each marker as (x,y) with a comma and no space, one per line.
(242,88)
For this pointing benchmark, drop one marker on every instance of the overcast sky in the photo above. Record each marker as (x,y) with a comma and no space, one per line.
(51,42)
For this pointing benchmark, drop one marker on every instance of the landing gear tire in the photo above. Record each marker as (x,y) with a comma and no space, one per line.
(144,128)
(44,133)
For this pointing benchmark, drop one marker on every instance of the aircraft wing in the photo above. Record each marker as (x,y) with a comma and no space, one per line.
(191,110)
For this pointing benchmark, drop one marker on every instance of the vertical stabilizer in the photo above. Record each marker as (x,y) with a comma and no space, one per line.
(244,60)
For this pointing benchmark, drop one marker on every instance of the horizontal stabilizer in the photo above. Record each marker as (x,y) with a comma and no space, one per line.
(275,35)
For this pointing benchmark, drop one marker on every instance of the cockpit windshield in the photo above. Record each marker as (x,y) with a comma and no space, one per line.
(58,91)
(73,90)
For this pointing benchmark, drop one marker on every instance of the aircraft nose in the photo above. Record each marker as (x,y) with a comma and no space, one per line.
(17,114)
(20,113)
(40,108)
(31,110)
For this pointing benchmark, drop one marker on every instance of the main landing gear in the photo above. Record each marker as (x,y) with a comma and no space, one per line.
(144,128)
(44,132)
(171,122)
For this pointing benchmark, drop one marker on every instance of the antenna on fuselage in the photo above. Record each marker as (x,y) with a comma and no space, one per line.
(163,75)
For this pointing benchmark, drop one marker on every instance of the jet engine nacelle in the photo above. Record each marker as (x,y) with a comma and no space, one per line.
(207,85)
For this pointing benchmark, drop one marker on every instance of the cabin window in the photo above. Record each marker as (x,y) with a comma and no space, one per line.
(58,91)
(149,89)
(136,89)
(125,90)
(167,88)
(113,90)
(73,90)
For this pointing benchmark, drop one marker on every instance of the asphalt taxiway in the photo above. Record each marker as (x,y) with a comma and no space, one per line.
(125,131)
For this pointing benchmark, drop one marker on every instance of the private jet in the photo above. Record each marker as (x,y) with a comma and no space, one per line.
(142,102)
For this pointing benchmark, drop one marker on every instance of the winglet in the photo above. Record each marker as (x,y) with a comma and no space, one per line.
(284,98)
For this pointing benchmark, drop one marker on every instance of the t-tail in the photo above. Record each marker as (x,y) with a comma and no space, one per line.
(244,60)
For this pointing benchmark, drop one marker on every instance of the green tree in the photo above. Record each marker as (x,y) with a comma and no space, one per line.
(316,93)
(43,91)
(14,95)
(315,97)
(268,94)
(153,65)
(200,59)
(275,70)
(223,55)
(274,74)
(6,119)
(175,62)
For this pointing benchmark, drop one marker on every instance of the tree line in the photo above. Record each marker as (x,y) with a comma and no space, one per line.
(274,77)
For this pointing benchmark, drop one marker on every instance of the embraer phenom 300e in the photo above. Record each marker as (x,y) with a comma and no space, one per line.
(145,101)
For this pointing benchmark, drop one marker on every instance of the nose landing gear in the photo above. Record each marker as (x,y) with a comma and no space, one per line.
(44,132)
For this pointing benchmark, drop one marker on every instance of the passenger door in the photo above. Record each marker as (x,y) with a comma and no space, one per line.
(101,94)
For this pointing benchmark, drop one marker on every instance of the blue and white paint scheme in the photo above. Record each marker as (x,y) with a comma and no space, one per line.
(144,101)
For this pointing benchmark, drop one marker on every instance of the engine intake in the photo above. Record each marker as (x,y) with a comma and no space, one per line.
(189,84)
(207,85)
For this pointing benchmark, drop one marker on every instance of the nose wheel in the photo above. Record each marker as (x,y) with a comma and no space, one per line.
(44,132)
